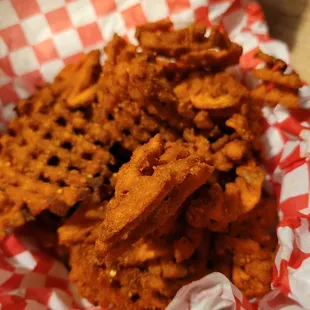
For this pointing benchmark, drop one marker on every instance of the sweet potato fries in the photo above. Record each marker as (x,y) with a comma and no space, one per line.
(149,166)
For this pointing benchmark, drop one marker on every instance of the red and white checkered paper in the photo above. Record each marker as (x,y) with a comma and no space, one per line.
(38,37)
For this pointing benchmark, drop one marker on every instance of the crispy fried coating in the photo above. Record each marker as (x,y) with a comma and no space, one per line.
(153,284)
(277,86)
(258,223)
(246,251)
(83,89)
(274,95)
(83,225)
(185,246)
(149,190)
(208,92)
(139,159)
(240,123)
(274,72)
(91,280)
(251,264)
(215,208)
(53,155)
(72,81)
(144,277)
(52,161)
(290,80)
(190,46)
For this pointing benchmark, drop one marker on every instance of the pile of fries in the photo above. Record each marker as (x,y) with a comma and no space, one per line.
(144,174)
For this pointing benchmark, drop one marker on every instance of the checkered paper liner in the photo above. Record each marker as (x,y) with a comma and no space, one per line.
(38,37)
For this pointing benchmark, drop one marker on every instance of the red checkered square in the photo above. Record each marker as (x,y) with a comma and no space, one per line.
(7,93)
(45,51)
(32,80)
(102,8)
(12,283)
(7,301)
(33,279)
(42,295)
(58,20)
(13,37)
(202,15)
(177,5)
(11,245)
(5,266)
(133,16)
(6,67)
(44,261)
(73,58)
(90,34)
(54,282)
(26,8)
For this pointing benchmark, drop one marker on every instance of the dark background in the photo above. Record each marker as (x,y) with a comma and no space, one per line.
(289,21)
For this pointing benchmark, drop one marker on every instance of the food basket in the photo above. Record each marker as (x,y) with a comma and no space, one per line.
(38,37)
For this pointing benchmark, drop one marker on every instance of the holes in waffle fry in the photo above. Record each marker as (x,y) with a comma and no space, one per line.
(135,297)
(147,171)
(87,112)
(113,168)
(99,143)
(78,131)
(34,155)
(43,178)
(22,142)
(72,168)
(53,161)
(87,156)
(47,136)
(12,132)
(118,151)
(62,183)
(67,145)
(126,132)
(34,126)
(61,121)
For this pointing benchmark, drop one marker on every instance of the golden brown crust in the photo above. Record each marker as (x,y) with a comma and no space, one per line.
(189,46)
(138,229)
(278,87)
(150,189)
(246,252)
